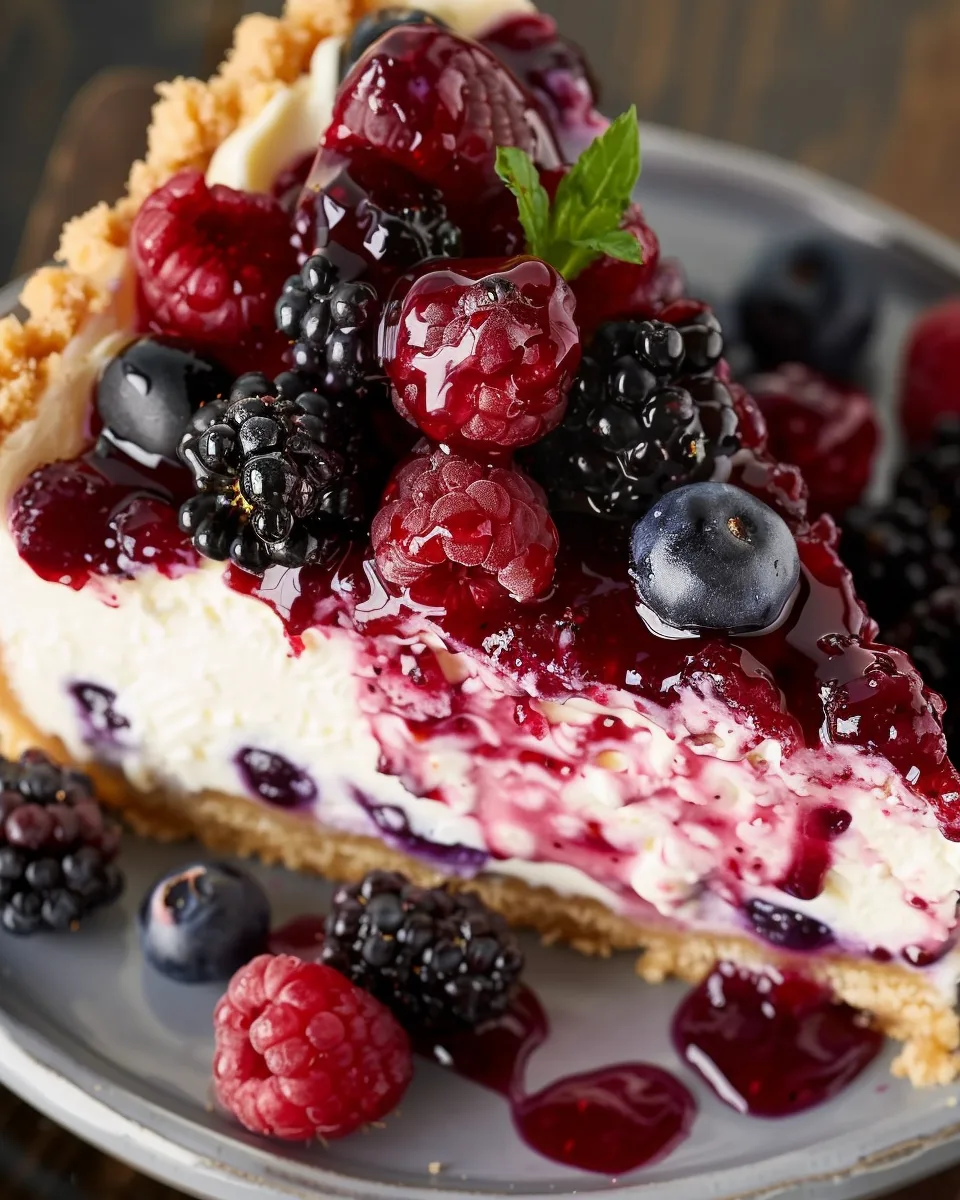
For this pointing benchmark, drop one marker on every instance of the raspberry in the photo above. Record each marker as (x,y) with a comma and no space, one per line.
(828,430)
(211,262)
(448,520)
(481,360)
(931,374)
(438,106)
(302,1053)
(610,289)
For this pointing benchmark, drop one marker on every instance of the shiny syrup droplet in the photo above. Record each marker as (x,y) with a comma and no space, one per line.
(302,936)
(771,1044)
(608,1121)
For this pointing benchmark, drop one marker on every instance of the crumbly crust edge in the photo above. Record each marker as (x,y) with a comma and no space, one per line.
(190,119)
(902,1003)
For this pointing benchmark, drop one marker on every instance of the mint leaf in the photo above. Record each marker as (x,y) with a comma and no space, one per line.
(605,174)
(618,243)
(584,221)
(519,172)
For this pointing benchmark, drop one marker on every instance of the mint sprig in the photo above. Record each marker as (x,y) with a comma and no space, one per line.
(583,223)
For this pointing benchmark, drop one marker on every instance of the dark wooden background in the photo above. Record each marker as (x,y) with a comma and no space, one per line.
(865,90)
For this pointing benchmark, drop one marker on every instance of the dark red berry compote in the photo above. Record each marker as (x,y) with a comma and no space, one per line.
(518,578)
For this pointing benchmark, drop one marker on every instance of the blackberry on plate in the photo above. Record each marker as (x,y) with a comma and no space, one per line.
(332,326)
(931,476)
(930,633)
(646,414)
(275,479)
(438,959)
(898,555)
(57,849)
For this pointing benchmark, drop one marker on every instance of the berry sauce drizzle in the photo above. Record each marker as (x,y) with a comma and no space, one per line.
(609,1121)
(102,515)
(772,1044)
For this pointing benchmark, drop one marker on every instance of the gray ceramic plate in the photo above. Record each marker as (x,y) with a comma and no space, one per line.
(121,1057)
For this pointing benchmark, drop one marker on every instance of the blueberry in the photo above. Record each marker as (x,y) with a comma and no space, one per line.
(812,300)
(373,26)
(147,394)
(711,556)
(204,922)
(787,928)
(275,779)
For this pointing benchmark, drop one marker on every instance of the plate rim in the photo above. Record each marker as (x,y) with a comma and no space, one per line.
(140,1132)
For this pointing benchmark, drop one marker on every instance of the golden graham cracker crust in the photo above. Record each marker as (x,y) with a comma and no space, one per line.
(901,1002)
(190,120)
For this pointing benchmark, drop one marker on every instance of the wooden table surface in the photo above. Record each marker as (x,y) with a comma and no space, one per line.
(866,90)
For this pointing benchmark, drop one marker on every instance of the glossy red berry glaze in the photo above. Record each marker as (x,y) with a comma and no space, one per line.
(438,106)
(210,263)
(609,1121)
(772,1044)
(828,430)
(453,530)
(481,356)
(887,709)
(99,516)
(931,372)
(363,214)
(552,69)
(610,289)
(301,1053)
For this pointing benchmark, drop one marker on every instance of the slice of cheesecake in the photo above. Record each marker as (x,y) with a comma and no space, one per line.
(781,794)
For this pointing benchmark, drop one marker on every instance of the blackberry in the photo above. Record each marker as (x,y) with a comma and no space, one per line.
(57,849)
(931,477)
(332,326)
(277,478)
(646,414)
(898,555)
(437,959)
(930,633)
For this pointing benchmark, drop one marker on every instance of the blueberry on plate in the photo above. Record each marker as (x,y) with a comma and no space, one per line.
(203,922)
(711,556)
(150,390)
(812,300)
(373,26)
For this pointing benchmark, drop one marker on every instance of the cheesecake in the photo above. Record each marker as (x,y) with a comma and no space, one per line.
(353,523)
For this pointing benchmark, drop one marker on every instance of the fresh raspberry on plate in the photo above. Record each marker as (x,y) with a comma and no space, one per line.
(482,358)
(450,524)
(438,106)
(827,429)
(211,263)
(931,373)
(302,1053)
